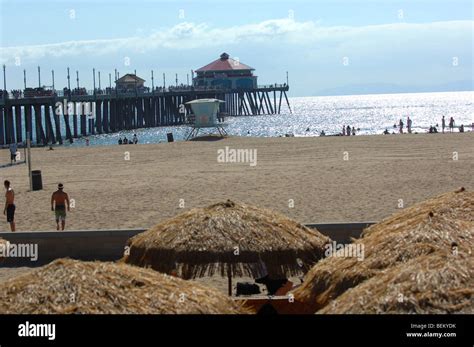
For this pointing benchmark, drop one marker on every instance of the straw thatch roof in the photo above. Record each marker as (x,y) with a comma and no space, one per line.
(230,237)
(456,206)
(430,284)
(441,223)
(71,286)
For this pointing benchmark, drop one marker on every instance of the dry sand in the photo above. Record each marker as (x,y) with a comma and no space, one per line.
(111,192)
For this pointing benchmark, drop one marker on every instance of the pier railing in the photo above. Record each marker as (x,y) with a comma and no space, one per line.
(19,94)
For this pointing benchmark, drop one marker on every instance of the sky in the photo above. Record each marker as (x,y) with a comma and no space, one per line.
(323,45)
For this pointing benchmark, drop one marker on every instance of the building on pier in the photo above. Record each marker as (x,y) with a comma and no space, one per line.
(225,72)
(129,83)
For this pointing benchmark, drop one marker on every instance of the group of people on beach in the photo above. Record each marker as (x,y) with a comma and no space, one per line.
(451,125)
(432,129)
(59,204)
(401,124)
(347,131)
(400,127)
(126,141)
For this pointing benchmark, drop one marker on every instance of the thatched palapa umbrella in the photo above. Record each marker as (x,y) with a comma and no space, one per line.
(70,286)
(437,283)
(228,238)
(443,223)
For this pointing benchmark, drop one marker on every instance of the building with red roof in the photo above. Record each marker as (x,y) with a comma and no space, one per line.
(225,72)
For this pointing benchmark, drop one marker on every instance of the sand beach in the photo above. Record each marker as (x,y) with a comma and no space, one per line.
(307,179)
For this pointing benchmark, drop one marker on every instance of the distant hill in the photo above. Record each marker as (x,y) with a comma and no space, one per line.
(388,88)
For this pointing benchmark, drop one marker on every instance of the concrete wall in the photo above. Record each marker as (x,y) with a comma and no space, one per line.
(109,244)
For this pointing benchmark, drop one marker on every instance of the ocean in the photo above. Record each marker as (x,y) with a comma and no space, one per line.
(371,114)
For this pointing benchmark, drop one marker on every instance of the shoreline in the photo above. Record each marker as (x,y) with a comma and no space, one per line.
(81,139)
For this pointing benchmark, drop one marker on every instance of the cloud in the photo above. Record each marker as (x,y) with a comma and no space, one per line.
(188,36)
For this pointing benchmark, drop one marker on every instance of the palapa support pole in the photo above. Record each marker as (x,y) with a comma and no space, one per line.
(229,279)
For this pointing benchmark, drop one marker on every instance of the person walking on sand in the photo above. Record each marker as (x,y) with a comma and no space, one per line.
(59,203)
(409,125)
(443,124)
(400,124)
(451,124)
(13,150)
(9,209)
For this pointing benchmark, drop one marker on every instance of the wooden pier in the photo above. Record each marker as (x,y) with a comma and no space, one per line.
(101,113)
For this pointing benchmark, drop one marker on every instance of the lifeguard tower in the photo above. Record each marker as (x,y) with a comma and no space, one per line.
(206,116)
